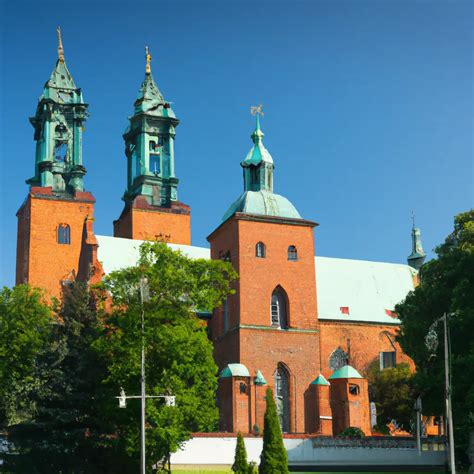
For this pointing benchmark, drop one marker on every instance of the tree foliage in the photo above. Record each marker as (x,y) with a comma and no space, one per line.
(274,459)
(25,324)
(392,392)
(447,286)
(179,357)
(66,432)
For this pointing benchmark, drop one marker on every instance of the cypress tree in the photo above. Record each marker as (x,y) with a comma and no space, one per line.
(273,459)
(240,465)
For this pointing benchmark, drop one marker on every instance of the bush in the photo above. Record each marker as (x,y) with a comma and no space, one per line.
(240,465)
(380,428)
(273,458)
(352,432)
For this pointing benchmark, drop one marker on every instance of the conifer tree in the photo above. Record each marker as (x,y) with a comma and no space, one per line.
(240,465)
(274,459)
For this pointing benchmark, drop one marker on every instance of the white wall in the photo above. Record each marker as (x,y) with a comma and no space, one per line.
(302,452)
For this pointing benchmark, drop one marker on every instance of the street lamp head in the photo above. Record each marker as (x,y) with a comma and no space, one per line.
(122,399)
(170,400)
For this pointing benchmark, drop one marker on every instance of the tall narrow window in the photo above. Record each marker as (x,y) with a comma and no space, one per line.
(282,397)
(64,234)
(278,309)
(155,163)
(292,253)
(260,250)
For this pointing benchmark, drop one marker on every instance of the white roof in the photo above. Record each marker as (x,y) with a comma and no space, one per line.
(116,253)
(367,289)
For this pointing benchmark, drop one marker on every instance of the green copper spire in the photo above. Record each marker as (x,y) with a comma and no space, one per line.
(418,255)
(149,145)
(258,196)
(258,164)
(58,125)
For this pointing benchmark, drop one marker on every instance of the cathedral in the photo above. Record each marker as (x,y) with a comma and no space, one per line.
(304,325)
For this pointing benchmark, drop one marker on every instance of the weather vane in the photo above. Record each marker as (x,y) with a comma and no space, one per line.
(257,109)
(60,45)
(148,60)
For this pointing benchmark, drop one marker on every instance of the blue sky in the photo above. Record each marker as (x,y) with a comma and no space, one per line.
(368,108)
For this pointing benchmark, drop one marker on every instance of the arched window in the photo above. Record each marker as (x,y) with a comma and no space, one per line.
(338,359)
(292,253)
(260,250)
(282,397)
(278,308)
(64,234)
(153,146)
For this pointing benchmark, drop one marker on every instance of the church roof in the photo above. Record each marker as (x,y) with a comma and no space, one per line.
(347,290)
(262,202)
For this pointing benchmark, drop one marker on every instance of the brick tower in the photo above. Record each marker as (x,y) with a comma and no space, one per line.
(52,221)
(152,210)
(266,334)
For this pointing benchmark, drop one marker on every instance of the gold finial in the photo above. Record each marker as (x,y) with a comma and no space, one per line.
(148,60)
(60,45)
(257,109)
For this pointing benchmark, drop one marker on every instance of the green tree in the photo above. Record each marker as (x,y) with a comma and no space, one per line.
(274,459)
(392,392)
(25,324)
(179,358)
(66,432)
(240,465)
(447,286)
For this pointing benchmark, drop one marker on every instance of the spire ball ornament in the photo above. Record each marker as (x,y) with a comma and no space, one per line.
(148,60)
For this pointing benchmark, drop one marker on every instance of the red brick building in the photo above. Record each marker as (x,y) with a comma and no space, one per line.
(306,326)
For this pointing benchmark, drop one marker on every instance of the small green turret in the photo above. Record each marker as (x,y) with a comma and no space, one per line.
(418,255)
(58,125)
(149,146)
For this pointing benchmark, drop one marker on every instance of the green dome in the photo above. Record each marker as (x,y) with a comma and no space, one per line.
(264,203)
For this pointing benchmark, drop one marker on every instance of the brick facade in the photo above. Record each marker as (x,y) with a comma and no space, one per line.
(362,342)
(142,221)
(41,260)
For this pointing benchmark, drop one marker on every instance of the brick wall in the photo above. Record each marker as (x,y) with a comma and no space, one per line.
(49,262)
(142,221)
(363,342)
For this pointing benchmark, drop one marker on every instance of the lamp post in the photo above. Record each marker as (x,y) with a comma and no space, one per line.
(431,342)
(170,400)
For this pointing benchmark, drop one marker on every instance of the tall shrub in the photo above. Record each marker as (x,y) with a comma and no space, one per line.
(273,459)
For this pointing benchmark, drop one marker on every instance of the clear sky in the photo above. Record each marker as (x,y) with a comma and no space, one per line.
(368,108)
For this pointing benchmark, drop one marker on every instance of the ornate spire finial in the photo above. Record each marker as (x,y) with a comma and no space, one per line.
(413,218)
(60,45)
(257,110)
(148,60)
